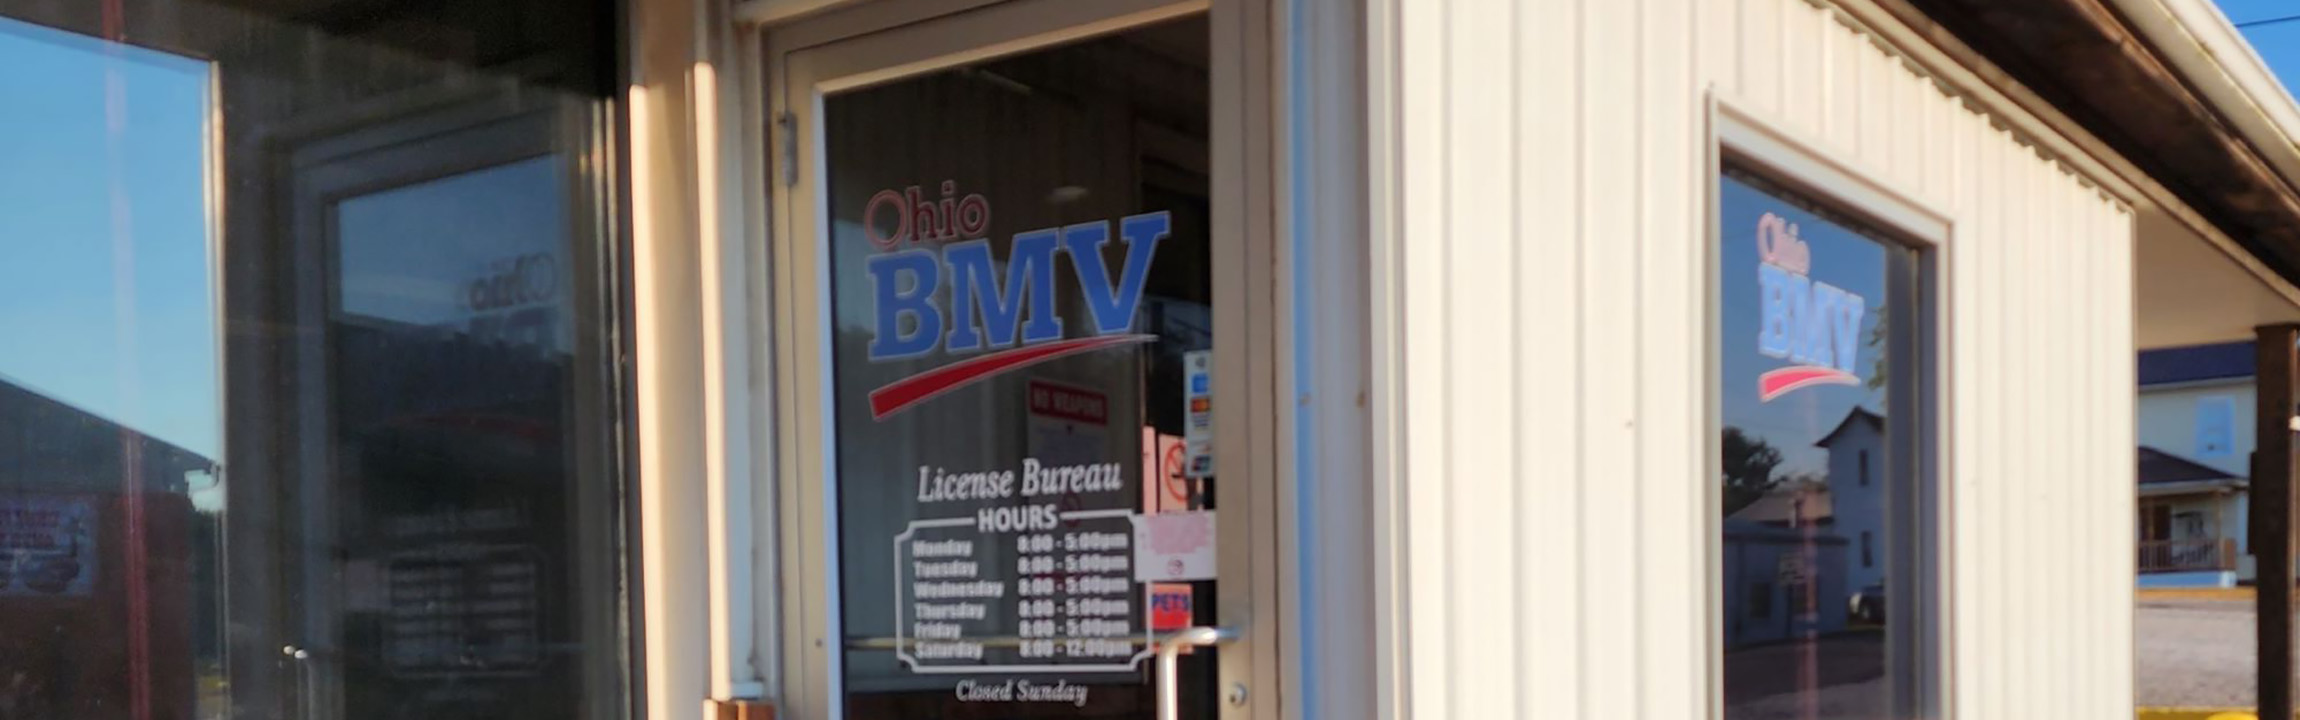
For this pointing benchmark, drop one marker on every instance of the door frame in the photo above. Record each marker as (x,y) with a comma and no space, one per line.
(876,42)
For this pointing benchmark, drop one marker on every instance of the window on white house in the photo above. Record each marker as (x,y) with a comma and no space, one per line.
(2191,524)
(2215,426)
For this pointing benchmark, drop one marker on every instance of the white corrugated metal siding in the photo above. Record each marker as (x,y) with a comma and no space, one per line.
(1552,161)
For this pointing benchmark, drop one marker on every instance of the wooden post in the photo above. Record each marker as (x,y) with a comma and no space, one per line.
(2275,367)
(2222,559)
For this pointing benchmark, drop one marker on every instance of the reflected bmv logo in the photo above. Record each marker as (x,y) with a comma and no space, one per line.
(1805,321)
(1009,316)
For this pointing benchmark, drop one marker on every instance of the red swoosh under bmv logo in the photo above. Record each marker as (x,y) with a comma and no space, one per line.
(925,386)
(1779,382)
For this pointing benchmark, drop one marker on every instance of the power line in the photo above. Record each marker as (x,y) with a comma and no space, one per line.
(2268,21)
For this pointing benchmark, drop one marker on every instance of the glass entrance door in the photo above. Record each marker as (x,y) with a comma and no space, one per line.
(1013,249)
(456,548)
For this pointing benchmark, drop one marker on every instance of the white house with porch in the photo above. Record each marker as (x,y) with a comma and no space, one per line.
(2194,425)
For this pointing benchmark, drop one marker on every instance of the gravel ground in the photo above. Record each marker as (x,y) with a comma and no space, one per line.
(2192,653)
(2187,653)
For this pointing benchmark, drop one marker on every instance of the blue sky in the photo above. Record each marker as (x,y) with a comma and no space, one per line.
(105,291)
(2277,42)
(106,296)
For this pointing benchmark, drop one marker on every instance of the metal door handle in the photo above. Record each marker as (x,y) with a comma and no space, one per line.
(1169,651)
(301,657)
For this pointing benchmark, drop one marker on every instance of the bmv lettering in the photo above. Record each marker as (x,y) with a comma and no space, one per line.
(930,250)
(1805,321)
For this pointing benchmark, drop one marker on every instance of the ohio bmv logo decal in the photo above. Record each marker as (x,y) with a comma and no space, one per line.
(1006,323)
(1810,323)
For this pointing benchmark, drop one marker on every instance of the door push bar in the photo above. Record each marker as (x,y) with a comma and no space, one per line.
(1169,650)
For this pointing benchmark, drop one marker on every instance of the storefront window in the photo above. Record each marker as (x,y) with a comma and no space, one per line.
(111,506)
(1812,491)
(308,409)
(1021,286)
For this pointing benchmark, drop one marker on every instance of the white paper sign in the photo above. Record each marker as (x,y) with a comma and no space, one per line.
(1174,547)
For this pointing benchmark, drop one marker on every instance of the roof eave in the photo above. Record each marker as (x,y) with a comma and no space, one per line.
(2190,487)
(2169,85)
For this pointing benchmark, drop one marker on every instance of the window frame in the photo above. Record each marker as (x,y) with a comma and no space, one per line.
(457,131)
(2186,519)
(2223,409)
(1917,515)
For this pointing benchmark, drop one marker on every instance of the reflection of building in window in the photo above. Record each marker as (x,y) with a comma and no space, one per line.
(482,253)
(1792,504)
(108,231)
(1798,568)
(1811,385)
(74,488)
(1801,600)
(401,162)
(1860,504)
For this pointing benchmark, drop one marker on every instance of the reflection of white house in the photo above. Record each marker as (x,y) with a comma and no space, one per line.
(1846,513)
(1796,556)
(1791,505)
(2195,433)
(1771,592)
(1857,493)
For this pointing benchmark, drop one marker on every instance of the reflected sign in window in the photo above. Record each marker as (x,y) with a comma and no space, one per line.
(1808,479)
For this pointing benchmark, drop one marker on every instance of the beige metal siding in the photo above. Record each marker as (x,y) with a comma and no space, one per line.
(1553,224)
